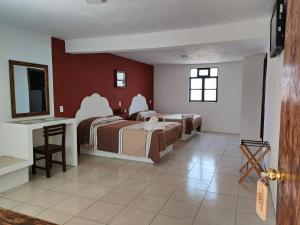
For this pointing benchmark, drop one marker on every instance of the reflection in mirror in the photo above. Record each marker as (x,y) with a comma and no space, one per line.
(29,89)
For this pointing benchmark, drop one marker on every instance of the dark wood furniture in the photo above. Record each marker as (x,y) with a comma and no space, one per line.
(122,112)
(47,150)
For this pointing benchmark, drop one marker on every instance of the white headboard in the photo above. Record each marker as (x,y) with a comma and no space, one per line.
(93,106)
(138,104)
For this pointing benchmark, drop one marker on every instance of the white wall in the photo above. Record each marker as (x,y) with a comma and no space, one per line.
(21,45)
(171,95)
(272,114)
(251,106)
(253,67)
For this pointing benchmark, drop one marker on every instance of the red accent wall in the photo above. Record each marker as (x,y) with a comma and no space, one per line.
(76,76)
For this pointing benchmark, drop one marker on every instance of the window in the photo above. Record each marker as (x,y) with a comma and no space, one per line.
(120,79)
(204,85)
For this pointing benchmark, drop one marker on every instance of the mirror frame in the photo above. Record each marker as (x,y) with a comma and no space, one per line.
(13,63)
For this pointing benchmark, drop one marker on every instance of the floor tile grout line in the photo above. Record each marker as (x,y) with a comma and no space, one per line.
(215,142)
(204,199)
(161,208)
(124,207)
(71,195)
(195,217)
(201,204)
(74,194)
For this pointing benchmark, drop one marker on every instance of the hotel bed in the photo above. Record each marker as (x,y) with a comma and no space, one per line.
(100,133)
(139,111)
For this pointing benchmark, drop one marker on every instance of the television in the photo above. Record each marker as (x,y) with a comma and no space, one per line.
(277,28)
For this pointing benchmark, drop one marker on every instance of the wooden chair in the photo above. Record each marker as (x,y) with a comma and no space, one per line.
(47,150)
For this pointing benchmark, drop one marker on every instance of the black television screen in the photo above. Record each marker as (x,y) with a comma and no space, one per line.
(277,28)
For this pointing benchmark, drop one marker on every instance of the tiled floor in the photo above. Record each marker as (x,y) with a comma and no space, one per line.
(196,184)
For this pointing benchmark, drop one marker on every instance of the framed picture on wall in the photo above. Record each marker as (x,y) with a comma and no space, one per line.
(120,79)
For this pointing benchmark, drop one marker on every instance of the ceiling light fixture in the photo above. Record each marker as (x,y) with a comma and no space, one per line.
(184,56)
(96,2)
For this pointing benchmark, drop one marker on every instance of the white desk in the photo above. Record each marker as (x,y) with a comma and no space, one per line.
(18,143)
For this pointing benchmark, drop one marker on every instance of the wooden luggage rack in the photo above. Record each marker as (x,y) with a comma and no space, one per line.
(254,158)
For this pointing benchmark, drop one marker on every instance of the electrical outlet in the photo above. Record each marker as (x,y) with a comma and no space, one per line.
(125,110)
(61,109)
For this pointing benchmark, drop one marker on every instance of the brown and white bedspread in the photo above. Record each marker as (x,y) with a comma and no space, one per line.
(189,124)
(127,137)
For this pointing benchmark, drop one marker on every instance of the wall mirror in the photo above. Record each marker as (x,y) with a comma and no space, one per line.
(120,79)
(29,89)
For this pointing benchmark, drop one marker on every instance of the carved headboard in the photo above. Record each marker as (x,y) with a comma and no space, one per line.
(93,106)
(138,104)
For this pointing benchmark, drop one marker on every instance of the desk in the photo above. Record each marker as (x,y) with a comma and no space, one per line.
(18,143)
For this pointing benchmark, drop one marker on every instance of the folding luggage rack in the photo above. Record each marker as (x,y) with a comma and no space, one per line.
(253,158)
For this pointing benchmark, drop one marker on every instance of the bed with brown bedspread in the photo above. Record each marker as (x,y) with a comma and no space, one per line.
(189,124)
(108,137)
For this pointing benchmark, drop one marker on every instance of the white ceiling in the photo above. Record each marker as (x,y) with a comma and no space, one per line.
(200,54)
(76,19)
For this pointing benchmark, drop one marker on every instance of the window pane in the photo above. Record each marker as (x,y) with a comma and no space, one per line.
(214,72)
(210,83)
(196,83)
(203,72)
(120,76)
(120,84)
(194,72)
(210,95)
(196,95)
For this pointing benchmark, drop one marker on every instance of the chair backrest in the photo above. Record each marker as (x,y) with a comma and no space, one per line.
(55,130)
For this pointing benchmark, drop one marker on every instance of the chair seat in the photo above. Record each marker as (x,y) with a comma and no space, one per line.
(51,148)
